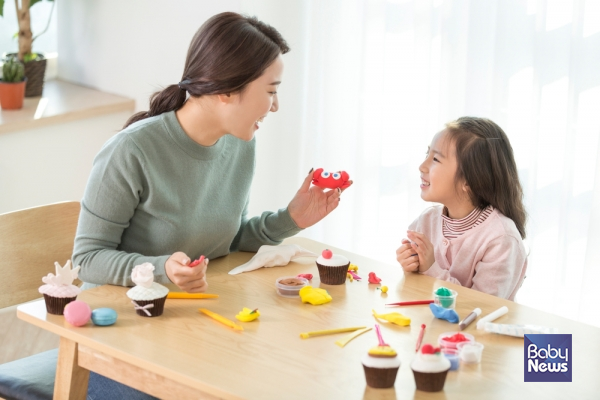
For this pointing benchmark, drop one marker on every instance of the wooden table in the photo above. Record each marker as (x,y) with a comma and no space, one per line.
(184,354)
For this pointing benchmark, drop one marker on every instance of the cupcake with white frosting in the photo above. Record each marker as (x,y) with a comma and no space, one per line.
(333,268)
(430,368)
(381,368)
(148,297)
(59,290)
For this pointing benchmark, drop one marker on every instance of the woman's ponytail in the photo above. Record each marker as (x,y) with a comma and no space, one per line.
(169,99)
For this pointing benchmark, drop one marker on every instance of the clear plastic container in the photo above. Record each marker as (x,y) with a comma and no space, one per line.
(470,352)
(290,290)
(453,357)
(448,344)
(445,301)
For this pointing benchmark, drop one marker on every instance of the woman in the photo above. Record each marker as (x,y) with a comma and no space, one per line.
(175,183)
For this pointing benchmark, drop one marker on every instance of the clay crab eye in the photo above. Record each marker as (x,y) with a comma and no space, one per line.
(325,175)
(336,175)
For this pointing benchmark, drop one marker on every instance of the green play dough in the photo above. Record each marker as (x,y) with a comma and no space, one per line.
(445,302)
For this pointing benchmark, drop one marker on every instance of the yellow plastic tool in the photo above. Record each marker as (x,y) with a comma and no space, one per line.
(306,335)
(221,319)
(394,318)
(346,339)
(182,295)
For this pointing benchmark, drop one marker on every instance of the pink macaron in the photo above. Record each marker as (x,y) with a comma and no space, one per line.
(77,313)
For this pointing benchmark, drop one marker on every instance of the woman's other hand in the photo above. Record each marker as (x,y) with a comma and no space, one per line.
(423,247)
(189,279)
(312,204)
(407,257)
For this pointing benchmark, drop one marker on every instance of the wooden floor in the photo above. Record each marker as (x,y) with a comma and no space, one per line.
(19,339)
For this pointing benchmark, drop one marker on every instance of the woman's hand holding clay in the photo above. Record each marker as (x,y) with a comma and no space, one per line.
(190,279)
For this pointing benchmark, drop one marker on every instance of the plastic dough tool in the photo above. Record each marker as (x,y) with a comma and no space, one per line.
(181,295)
(221,319)
(384,349)
(346,339)
(306,335)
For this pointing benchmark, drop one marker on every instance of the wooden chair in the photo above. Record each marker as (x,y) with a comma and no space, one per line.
(31,241)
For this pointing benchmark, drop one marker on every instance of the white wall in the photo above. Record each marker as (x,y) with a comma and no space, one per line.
(135,47)
(51,164)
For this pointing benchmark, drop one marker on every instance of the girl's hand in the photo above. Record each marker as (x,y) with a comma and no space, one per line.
(312,204)
(407,257)
(423,247)
(190,279)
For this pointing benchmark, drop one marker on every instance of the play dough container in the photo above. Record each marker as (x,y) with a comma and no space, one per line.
(452,356)
(470,352)
(289,286)
(445,301)
(450,340)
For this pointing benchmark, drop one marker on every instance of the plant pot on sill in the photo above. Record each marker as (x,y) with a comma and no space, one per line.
(11,94)
(34,72)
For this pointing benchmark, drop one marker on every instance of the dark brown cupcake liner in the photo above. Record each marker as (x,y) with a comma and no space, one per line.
(155,311)
(430,381)
(333,275)
(56,305)
(380,378)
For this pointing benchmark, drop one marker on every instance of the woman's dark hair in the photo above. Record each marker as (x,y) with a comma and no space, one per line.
(487,164)
(227,53)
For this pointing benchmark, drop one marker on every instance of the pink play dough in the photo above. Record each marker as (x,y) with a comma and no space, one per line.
(77,313)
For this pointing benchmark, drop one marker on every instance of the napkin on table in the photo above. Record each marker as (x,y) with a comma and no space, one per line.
(273,256)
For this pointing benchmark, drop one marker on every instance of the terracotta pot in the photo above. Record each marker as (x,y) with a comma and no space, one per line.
(34,72)
(12,94)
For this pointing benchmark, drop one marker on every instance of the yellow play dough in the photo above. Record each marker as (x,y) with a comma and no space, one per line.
(246,315)
(394,318)
(317,296)
(382,351)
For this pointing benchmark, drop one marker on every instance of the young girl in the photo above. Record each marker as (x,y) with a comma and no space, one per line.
(475,237)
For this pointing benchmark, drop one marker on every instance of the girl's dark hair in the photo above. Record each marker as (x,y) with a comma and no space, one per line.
(487,164)
(227,53)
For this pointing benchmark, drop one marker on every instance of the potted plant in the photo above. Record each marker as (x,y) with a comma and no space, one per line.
(12,85)
(35,63)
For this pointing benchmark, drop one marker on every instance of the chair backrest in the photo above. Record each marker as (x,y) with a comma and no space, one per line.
(31,241)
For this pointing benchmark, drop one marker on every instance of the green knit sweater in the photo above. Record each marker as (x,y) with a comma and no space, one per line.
(154,191)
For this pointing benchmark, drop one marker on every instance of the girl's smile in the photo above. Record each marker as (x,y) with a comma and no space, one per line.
(438,177)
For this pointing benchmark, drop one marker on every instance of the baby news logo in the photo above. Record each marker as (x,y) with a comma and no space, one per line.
(548,358)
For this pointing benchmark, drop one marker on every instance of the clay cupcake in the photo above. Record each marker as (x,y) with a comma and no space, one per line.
(333,268)
(381,364)
(148,297)
(430,368)
(59,290)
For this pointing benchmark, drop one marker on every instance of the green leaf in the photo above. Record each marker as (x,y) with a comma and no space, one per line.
(1,8)
(29,57)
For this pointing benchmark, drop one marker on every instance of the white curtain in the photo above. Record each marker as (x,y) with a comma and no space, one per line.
(374,80)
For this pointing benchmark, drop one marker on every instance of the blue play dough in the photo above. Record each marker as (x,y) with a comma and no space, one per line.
(444,313)
(104,316)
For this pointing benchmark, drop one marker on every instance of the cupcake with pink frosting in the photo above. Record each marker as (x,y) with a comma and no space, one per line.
(148,297)
(59,290)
